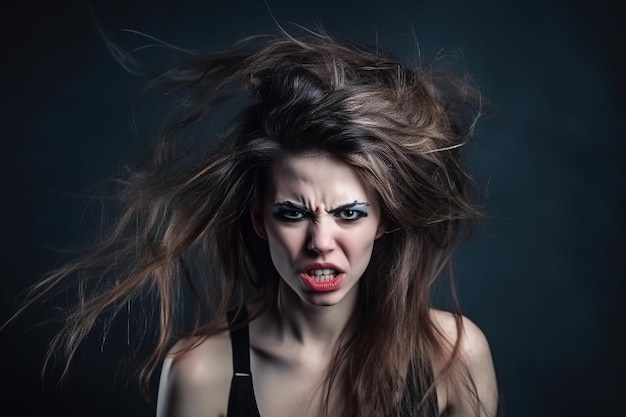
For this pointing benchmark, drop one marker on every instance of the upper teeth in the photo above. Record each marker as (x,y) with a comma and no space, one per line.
(322,271)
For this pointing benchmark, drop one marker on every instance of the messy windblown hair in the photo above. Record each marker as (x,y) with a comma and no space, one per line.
(185,233)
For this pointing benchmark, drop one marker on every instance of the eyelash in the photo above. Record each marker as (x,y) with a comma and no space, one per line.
(295,215)
(291,215)
(355,214)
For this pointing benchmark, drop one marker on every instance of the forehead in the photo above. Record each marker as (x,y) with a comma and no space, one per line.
(316,179)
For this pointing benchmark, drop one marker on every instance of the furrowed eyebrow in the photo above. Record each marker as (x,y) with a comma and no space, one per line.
(356,204)
(293,205)
(348,206)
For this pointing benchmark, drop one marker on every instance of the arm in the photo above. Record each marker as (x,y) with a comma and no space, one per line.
(197,382)
(476,355)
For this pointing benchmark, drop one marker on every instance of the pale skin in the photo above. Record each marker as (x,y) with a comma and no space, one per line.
(318,216)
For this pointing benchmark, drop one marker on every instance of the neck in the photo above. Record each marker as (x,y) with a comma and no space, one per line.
(317,327)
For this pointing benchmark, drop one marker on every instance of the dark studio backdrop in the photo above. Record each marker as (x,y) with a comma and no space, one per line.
(543,278)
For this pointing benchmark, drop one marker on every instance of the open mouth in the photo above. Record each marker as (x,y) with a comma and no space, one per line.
(321,275)
(322,279)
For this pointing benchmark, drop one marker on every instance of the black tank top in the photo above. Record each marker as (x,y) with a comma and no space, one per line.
(241,399)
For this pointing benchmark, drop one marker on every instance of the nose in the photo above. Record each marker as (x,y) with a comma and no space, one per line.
(321,237)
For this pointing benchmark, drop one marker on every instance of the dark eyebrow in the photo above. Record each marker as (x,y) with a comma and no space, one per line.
(348,206)
(292,205)
(307,210)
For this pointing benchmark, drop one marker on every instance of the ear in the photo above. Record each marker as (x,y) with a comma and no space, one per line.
(256,214)
(382,228)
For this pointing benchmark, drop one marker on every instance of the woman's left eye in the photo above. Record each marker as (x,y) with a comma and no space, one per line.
(349,214)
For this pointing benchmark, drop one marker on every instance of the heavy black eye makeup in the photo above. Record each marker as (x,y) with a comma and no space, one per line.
(289,211)
(351,211)
(292,212)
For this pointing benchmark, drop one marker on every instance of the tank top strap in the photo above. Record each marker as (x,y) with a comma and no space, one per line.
(241,399)
(240,341)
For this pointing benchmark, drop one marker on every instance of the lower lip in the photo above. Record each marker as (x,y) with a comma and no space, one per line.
(321,286)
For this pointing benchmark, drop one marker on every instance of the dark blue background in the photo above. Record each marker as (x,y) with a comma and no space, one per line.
(543,278)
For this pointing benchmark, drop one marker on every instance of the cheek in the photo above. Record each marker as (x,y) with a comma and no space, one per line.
(284,243)
(359,244)
(361,252)
(363,237)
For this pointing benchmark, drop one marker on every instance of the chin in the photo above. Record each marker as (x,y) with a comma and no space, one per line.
(329,298)
(300,294)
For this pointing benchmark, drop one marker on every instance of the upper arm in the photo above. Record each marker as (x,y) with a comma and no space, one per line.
(475,355)
(196,383)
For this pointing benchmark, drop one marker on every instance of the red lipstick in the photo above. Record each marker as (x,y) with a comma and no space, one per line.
(321,277)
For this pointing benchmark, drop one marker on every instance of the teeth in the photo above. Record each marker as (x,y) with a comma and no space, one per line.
(322,272)
(321,275)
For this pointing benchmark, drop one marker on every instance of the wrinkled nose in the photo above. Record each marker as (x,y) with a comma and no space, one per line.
(321,238)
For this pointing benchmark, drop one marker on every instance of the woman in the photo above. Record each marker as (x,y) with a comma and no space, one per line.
(300,251)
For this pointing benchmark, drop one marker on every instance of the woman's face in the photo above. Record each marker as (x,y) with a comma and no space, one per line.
(320,223)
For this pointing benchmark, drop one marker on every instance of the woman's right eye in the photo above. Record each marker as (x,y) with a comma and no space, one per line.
(290,215)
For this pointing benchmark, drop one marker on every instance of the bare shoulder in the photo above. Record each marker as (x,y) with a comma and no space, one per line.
(473,341)
(475,355)
(196,381)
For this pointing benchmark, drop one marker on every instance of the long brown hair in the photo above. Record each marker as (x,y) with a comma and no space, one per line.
(185,232)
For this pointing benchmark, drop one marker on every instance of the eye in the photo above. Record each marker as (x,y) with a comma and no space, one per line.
(290,214)
(350,214)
